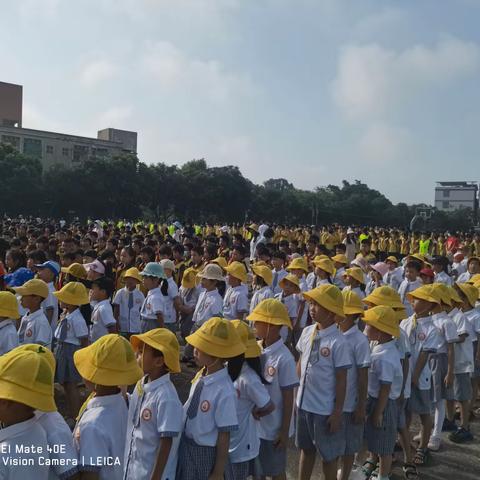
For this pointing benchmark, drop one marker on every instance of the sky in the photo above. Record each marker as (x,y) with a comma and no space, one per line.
(314,91)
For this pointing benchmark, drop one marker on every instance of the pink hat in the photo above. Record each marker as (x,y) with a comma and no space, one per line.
(458,255)
(96,266)
(428,272)
(381,268)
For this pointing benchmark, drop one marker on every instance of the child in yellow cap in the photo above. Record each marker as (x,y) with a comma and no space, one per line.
(290,286)
(278,367)
(355,280)
(325,357)
(71,334)
(262,281)
(34,326)
(101,428)
(253,402)
(385,380)
(410,283)
(211,406)
(279,260)
(127,303)
(155,412)
(9,315)
(235,302)
(189,293)
(26,385)
(298,267)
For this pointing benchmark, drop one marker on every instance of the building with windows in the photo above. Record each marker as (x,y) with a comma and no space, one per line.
(450,196)
(53,148)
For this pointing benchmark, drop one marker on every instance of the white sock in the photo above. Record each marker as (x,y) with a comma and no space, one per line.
(439,418)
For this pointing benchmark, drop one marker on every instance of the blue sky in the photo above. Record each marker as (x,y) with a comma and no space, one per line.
(314,91)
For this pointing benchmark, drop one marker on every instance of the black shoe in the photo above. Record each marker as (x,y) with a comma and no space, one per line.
(449,426)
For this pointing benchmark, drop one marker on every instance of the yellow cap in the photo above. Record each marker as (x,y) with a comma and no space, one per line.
(264,272)
(392,258)
(33,287)
(325,264)
(443,292)
(425,292)
(340,258)
(327,296)
(253,226)
(164,341)
(109,361)
(46,353)
(247,337)
(418,256)
(217,337)
(73,293)
(469,291)
(76,270)
(356,273)
(290,278)
(271,311)
(384,319)
(386,296)
(221,262)
(133,273)
(475,278)
(454,296)
(320,257)
(352,304)
(9,306)
(237,270)
(400,314)
(298,263)
(26,377)
(188,278)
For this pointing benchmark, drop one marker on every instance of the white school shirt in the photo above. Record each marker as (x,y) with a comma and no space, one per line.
(338,278)
(360,349)
(464,277)
(251,393)
(172,294)
(394,278)
(29,432)
(236,300)
(424,337)
(385,369)
(402,343)
(189,296)
(34,328)
(473,316)
(448,330)
(260,295)
(277,277)
(100,432)
(210,304)
(406,287)
(278,366)
(154,412)
(8,336)
(59,437)
(153,304)
(311,280)
(102,318)
(460,267)
(217,409)
(51,302)
(443,277)
(464,361)
(322,352)
(129,318)
(356,290)
(76,328)
(291,302)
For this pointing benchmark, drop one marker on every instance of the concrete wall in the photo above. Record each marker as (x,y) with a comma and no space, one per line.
(11,104)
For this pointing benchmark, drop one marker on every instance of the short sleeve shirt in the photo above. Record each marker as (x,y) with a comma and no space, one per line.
(235,301)
(447,329)
(51,302)
(102,318)
(8,336)
(129,316)
(463,351)
(210,304)
(34,328)
(153,304)
(260,295)
(172,294)
(385,368)
(76,327)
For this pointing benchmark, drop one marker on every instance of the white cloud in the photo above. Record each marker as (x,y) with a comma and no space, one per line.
(34,118)
(96,72)
(114,117)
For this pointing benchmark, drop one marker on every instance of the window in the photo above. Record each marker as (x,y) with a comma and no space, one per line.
(445,204)
(446,194)
(80,153)
(102,152)
(65,152)
(50,149)
(11,140)
(32,147)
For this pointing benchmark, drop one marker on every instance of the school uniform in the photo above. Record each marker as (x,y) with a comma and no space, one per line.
(291,302)
(473,316)
(402,344)
(393,278)
(245,442)
(464,277)
(129,304)
(259,295)
(277,277)
(443,277)
(153,304)
(235,301)
(51,302)
(189,297)
(58,433)
(210,304)
(278,366)
(423,337)
(20,434)
(322,352)
(100,432)
(210,409)
(102,318)
(170,319)
(70,330)
(154,413)
(8,336)
(385,368)
(406,287)
(356,290)
(35,328)
(338,278)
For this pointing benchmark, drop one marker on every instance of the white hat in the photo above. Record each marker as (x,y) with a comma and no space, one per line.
(350,231)
(95,266)
(212,272)
(167,264)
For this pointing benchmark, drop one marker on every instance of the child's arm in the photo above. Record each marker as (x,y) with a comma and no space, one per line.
(49,314)
(384,392)
(362,384)
(160,319)
(83,342)
(335,419)
(405,369)
(223,442)
(264,411)
(421,362)
(282,439)
(116,311)
(451,363)
(162,457)
(462,337)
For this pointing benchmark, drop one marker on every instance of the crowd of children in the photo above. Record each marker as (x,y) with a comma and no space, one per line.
(297,343)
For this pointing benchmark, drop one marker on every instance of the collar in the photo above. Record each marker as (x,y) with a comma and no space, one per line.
(326,332)
(454,311)
(215,377)
(209,293)
(105,401)
(383,347)
(15,430)
(424,320)
(73,314)
(5,323)
(32,316)
(154,290)
(274,346)
(159,382)
(103,302)
(351,331)
(437,316)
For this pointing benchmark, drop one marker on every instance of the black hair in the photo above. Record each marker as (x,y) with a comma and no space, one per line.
(279,254)
(415,265)
(341,246)
(150,252)
(165,250)
(19,257)
(106,284)
(38,256)
(240,249)
(164,287)
(235,365)
(256,366)
(130,252)
(179,248)
(90,253)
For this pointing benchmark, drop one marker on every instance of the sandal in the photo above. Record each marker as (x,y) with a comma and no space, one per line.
(410,471)
(368,471)
(421,456)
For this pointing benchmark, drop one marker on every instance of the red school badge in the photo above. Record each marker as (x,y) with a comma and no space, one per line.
(271,371)
(28,333)
(205,406)
(421,336)
(325,352)
(146,414)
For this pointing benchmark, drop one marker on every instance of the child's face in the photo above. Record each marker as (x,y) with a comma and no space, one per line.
(97,295)
(372,333)
(421,307)
(411,274)
(196,258)
(125,258)
(426,279)
(31,302)
(46,275)
(208,284)
(288,288)
(261,330)
(150,282)
(168,272)
(131,283)
(473,267)
(298,272)
(277,263)
(147,360)
(320,273)
(202,359)
(319,314)
(233,281)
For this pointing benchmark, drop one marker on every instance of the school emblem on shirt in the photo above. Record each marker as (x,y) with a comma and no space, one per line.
(205,406)
(271,371)
(421,336)
(28,333)
(146,414)
(325,352)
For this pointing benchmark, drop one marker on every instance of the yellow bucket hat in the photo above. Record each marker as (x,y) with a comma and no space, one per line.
(26,377)
(237,270)
(133,273)
(264,272)
(386,296)
(109,361)
(247,337)
(217,337)
(352,304)
(271,311)
(188,278)
(340,258)
(77,270)
(292,279)
(384,319)
(9,306)
(33,287)
(454,296)
(298,264)
(73,293)
(320,257)
(475,278)
(325,264)
(469,291)
(46,353)
(392,259)
(356,273)
(164,341)
(425,292)
(418,256)
(400,314)
(443,292)
(327,296)
(221,262)
(253,226)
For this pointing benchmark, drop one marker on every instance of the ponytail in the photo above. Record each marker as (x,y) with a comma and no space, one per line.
(256,366)
(164,287)
(235,365)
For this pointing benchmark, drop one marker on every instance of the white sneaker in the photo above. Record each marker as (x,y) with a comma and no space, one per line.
(434,444)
